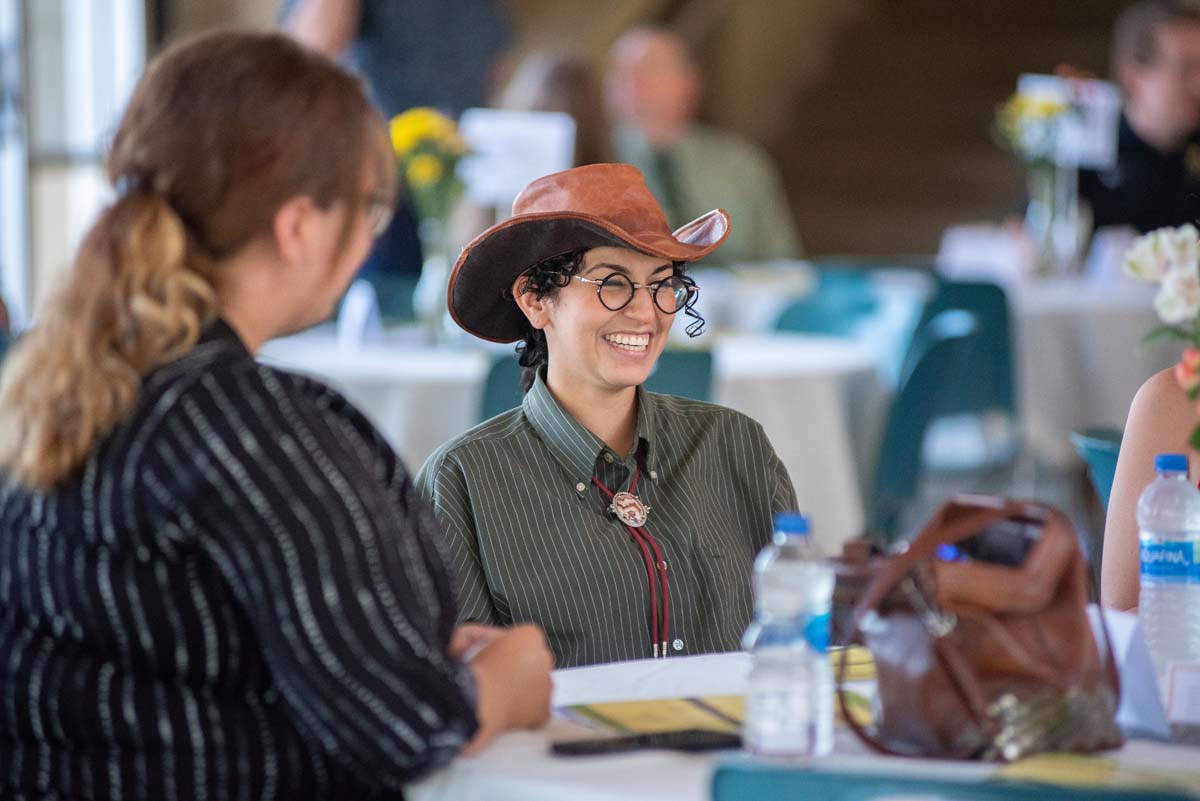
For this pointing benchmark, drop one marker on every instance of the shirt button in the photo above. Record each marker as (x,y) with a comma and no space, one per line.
(677,645)
(580,487)
(654,475)
(608,458)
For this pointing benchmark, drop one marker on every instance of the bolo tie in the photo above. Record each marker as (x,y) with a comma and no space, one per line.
(632,512)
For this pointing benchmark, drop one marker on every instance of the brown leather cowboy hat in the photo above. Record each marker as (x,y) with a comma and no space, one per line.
(587,207)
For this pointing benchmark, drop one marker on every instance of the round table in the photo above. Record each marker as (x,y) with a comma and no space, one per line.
(1079,361)
(819,400)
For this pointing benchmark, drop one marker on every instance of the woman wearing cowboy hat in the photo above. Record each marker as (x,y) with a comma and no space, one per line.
(624,522)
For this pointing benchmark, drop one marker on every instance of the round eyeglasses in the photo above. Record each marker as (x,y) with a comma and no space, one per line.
(671,294)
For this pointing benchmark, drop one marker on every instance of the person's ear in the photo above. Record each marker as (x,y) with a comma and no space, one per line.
(535,309)
(291,229)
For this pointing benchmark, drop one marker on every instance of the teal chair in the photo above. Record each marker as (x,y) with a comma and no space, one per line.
(395,294)
(988,388)
(687,373)
(501,388)
(990,352)
(854,298)
(749,780)
(1098,447)
(843,299)
(940,350)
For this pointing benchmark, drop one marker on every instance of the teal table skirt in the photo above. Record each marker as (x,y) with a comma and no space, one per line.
(748,780)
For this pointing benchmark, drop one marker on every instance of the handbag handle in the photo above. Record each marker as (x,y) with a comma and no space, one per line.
(935,533)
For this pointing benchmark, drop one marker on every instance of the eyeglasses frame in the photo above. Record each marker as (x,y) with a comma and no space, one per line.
(653,286)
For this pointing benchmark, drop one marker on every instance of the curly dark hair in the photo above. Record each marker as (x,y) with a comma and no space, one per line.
(547,277)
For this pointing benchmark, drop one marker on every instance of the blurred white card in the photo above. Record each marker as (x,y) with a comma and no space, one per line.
(1141,710)
(359,315)
(508,149)
(1087,134)
(650,679)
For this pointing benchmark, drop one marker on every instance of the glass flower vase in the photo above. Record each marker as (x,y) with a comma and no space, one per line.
(1052,218)
(429,296)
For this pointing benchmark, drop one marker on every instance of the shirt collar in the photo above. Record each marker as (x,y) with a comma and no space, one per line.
(572,445)
(219,331)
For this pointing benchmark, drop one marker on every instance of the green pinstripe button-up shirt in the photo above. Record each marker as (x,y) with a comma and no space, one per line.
(531,537)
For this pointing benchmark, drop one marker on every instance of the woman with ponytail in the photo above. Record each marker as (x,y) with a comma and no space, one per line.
(216,579)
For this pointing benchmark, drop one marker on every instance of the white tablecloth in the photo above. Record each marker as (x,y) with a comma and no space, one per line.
(818,399)
(1078,358)
(519,767)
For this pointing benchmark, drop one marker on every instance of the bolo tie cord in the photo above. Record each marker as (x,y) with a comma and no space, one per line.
(653,559)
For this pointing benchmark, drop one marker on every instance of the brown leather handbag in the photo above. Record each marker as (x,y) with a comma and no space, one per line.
(981,638)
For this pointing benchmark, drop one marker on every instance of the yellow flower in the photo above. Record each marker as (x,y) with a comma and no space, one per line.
(424,170)
(420,124)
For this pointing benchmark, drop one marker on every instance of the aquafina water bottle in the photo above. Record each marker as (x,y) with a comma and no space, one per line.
(1168,516)
(789,699)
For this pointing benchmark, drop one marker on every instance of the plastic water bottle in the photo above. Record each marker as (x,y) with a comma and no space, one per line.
(1168,516)
(789,700)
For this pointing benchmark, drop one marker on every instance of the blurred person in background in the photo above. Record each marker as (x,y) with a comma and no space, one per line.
(217,580)
(1156,179)
(555,79)
(549,79)
(653,90)
(437,53)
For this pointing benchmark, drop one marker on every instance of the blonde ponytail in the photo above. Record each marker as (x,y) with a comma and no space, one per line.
(136,298)
(265,120)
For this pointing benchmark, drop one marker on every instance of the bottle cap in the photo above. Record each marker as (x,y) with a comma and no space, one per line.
(791,523)
(1170,463)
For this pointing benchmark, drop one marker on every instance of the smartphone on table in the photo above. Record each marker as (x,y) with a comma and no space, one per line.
(691,740)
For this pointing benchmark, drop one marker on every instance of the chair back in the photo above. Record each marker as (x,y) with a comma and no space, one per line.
(395,293)
(940,360)
(843,299)
(990,351)
(501,388)
(1098,447)
(687,373)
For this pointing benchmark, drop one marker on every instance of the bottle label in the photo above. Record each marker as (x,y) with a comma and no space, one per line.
(1170,562)
(812,629)
(816,632)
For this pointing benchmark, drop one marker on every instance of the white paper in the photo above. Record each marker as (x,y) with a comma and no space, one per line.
(649,679)
(1141,710)
(1183,693)
(508,149)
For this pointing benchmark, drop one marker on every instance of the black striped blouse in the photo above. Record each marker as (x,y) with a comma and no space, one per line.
(239,596)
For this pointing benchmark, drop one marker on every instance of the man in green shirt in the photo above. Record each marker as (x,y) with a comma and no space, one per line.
(624,522)
(654,88)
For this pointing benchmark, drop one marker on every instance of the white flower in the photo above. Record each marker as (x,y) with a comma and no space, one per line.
(1179,298)
(1153,255)
(1142,259)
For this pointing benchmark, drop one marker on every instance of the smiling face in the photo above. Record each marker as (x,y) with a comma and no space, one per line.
(592,348)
